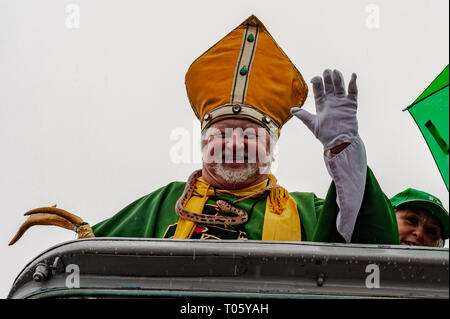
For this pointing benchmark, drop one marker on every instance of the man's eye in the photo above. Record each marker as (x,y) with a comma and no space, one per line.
(219,136)
(413,220)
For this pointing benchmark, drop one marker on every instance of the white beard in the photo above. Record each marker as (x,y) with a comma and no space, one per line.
(233,177)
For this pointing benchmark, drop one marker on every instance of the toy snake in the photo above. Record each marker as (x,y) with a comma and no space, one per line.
(241,215)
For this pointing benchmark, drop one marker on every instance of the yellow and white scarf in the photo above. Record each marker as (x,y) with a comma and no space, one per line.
(281,218)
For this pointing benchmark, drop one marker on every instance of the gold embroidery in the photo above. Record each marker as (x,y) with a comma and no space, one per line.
(167,229)
(208,236)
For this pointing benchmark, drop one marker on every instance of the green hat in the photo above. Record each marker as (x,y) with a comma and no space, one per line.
(414,197)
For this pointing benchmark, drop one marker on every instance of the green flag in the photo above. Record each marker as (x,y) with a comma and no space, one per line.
(430,111)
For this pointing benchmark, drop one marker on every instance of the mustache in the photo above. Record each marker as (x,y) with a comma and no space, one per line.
(236,177)
(230,154)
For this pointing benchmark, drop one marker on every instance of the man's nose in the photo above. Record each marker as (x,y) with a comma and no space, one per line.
(418,233)
(235,140)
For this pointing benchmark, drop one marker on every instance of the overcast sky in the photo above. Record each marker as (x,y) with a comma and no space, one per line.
(92,96)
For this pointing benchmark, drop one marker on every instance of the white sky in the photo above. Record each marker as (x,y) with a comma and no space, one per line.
(86,113)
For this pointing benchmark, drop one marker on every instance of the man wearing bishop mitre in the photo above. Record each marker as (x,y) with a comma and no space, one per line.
(243,90)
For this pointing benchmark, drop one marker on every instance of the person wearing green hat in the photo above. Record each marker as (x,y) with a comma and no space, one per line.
(421,218)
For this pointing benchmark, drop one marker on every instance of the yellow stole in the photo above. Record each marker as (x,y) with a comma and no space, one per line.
(281,218)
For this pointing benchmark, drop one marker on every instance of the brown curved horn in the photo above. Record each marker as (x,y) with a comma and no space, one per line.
(74,219)
(42,219)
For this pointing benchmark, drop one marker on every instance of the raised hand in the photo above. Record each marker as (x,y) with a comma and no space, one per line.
(334,123)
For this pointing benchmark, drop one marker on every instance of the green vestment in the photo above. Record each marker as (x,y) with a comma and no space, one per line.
(152,215)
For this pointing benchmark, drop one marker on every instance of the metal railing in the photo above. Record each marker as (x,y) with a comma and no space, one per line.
(129,267)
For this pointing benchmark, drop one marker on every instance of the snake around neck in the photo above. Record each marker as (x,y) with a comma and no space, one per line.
(240,217)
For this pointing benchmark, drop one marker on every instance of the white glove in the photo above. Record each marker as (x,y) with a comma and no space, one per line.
(335,122)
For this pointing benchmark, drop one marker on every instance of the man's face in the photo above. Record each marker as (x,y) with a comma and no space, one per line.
(418,227)
(236,153)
